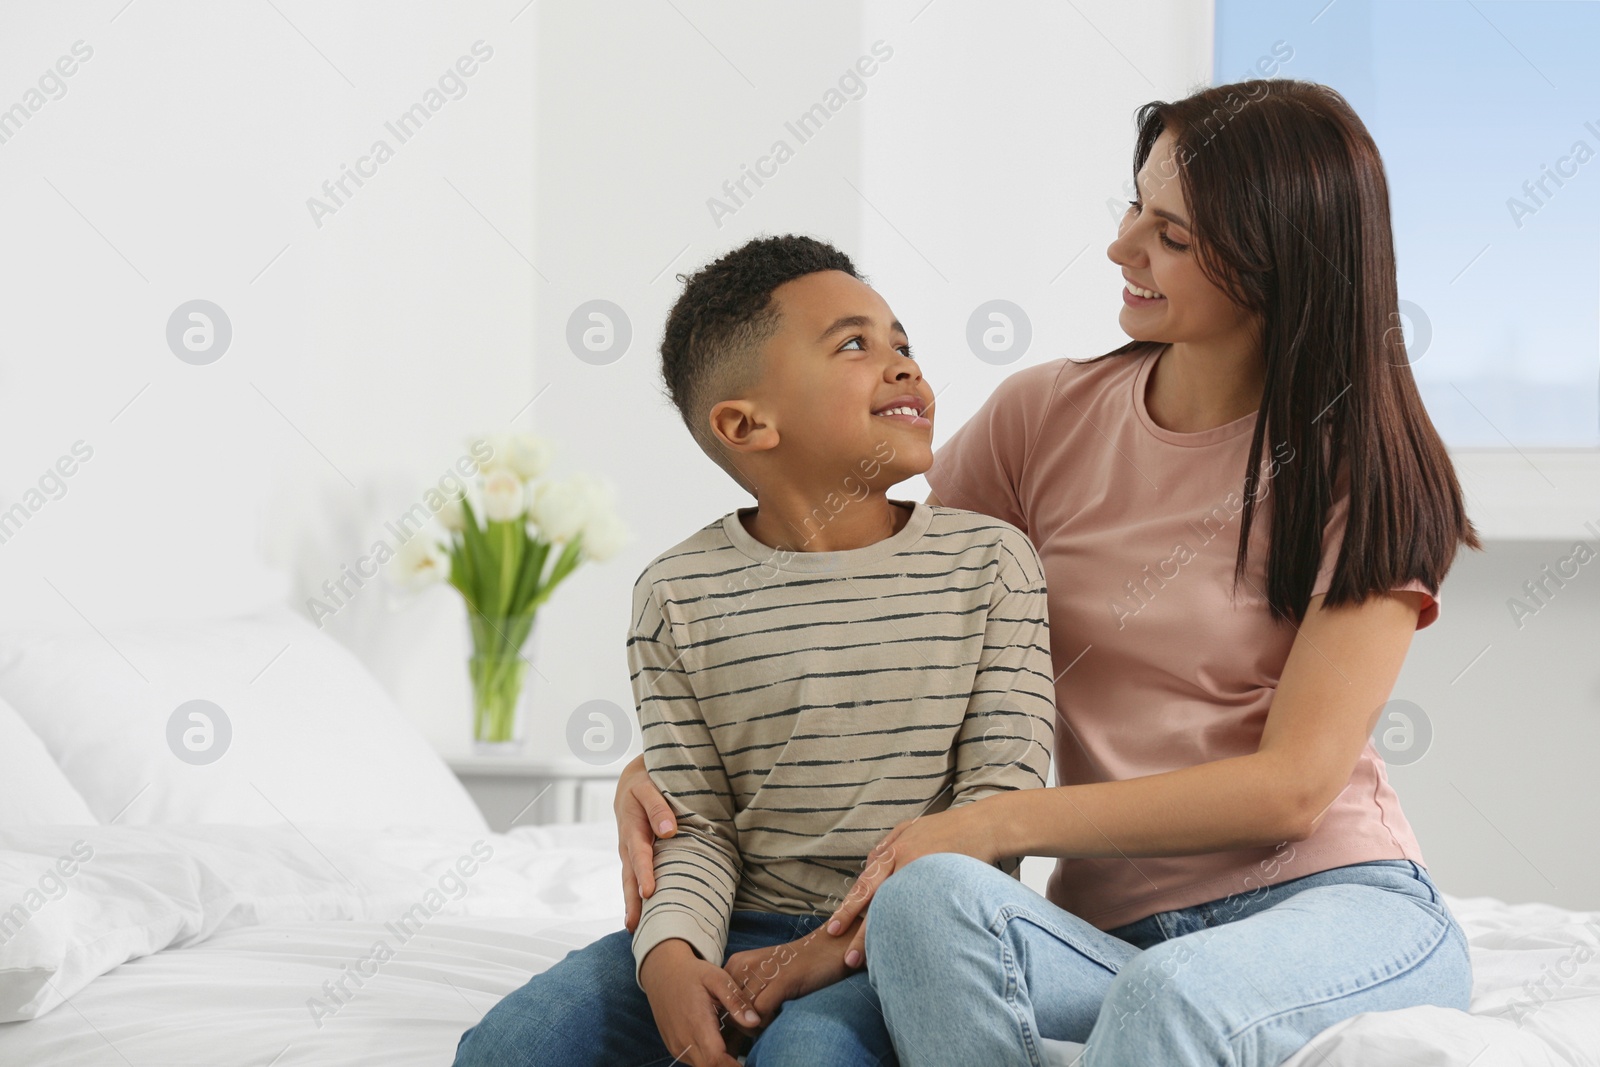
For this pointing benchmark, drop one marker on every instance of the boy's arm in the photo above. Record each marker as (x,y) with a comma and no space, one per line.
(697,870)
(776,974)
(1008,733)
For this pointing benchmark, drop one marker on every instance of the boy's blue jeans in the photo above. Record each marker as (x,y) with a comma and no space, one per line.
(588,1011)
(972,967)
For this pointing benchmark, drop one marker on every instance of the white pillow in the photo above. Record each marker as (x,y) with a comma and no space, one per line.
(304,733)
(84,900)
(33,791)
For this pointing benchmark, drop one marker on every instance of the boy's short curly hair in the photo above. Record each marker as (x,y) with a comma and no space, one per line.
(711,348)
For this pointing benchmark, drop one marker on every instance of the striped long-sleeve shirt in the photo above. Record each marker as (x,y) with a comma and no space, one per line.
(796,706)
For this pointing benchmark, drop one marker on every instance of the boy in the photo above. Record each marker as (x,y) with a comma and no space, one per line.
(809,673)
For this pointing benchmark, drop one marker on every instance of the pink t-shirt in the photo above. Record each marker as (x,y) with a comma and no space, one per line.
(1137,527)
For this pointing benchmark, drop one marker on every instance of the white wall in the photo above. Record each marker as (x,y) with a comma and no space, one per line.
(1503,799)
(366,343)
(976,164)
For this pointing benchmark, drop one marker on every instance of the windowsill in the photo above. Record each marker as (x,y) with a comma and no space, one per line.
(1532,494)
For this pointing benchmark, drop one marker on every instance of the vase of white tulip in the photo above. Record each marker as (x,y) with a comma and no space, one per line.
(506,556)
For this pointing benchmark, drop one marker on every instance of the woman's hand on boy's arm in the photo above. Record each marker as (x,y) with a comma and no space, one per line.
(962,829)
(771,976)
(688,997)
(643,814)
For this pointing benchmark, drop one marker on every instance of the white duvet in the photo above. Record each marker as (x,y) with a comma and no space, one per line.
(223,945)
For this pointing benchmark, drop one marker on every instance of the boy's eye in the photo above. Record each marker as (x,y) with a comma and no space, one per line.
(905,348)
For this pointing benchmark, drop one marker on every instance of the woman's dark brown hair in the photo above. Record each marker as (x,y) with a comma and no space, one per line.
(1289,209)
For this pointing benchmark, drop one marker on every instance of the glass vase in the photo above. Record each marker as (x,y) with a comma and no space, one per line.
(501,645)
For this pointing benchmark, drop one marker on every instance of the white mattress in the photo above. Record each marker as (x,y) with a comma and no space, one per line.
(239,995)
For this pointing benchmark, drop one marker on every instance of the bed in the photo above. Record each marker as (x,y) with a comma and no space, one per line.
(325,893)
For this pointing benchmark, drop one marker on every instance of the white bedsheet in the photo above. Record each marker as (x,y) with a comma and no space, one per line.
(248,992)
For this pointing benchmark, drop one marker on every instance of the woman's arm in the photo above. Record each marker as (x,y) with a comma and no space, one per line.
(1341,668)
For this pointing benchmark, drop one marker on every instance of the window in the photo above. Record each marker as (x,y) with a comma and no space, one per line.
(1488,118)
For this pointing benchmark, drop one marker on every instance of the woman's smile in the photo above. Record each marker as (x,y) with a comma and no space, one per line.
(1137,296)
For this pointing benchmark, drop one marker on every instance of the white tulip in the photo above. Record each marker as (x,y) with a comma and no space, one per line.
(450,516)
(604,536)
(525,453)
(502,495)
(496,450)
(419,563)
(561,509)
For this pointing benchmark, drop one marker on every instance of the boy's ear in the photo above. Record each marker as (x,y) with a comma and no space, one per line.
(738,425)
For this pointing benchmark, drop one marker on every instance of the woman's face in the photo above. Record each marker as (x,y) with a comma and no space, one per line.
(1155,249)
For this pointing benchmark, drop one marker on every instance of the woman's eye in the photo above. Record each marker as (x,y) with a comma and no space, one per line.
(852,341)
(906,349)
(1135,207)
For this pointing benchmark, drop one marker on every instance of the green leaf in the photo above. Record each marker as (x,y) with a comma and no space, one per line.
(507,538)
(479,558)
(460,574)
(566,563)
(528,581)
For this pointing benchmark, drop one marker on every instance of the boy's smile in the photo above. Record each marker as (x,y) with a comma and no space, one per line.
(906,408)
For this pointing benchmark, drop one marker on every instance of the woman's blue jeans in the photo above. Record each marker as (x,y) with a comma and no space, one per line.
(588,1011)
(972,967)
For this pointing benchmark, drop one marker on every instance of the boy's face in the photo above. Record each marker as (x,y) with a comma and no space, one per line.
(838,358)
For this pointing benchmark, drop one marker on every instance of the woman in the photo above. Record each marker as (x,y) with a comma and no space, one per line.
(1243,514)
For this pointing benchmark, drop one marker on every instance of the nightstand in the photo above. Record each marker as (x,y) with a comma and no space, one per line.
(517,790)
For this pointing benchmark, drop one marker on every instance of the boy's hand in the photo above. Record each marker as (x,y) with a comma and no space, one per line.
(771,976)
(687,997)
